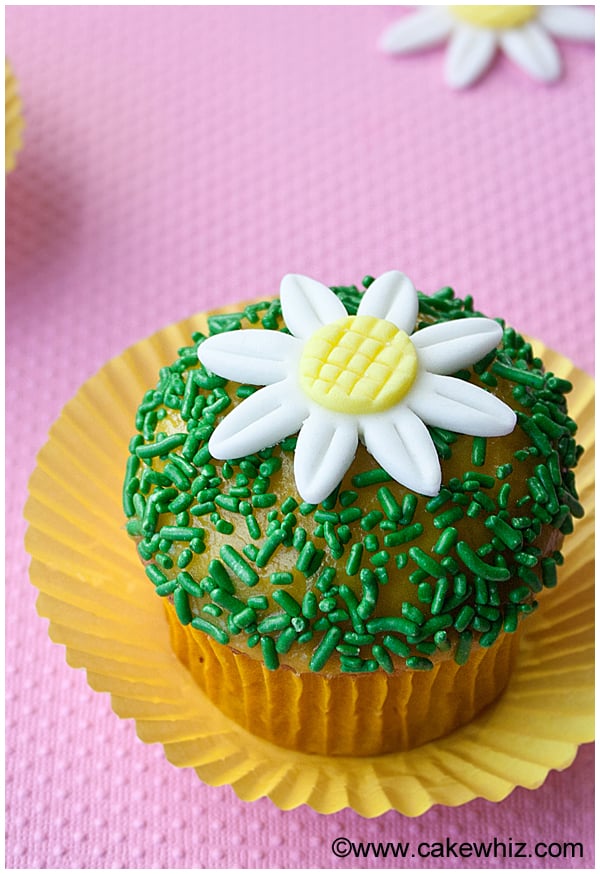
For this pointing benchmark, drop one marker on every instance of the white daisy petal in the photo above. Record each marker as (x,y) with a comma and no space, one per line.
(470,52)
(262,420)
(307,305)
(420,30)
(254,357)
(402,445)
(448,346)
(325,449)
(571,22)
(446,402)
(531,49)
(392,297)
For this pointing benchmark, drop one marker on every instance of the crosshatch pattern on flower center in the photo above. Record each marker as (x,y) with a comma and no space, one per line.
(358,364)
(495,16)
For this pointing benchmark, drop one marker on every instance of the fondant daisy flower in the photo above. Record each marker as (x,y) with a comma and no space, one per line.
(474,34)
(339,378)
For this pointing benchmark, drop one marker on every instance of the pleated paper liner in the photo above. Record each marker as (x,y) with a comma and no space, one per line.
(93,590)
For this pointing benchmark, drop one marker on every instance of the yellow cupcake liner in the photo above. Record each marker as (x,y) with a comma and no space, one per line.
(348,714)
(93,590)
(13,120)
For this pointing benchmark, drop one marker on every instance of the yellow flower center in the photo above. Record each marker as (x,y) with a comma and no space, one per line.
(495,16)
(359,364)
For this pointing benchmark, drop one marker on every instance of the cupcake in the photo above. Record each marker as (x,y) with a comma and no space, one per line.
(350,501)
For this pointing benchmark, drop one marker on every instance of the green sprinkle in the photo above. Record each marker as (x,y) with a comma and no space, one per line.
(299,538)
(350,514)
(269,651)
(238,565)
(464,618)
(543,474)
(392,623)
(354,608)
(172,532)
(253,528)
(289,505)
(504,470)
(448,517)
(370,478)
(479,567)
(162,447)
(208,628)
(309,605)
(441,641)
(481,591)
(511,619)
(306,509)
(250,550)
(188,583)
(224,527)
(371,542)
(265,500)
(529,577)
(395,645)
(485,481)
(287,603)
(155,575)
(409,611)
(268,548)
(417,663)
(519,594)
(182,607)
(134,528)
(354,559)
(508,535)
(285,640)
(166,588)
(478,451)
(326,579)
(383,659)
(380,558)
(405,535)
(463,648)
(325,648)
(522,377)
(326,516)
(348,497)
(474,509)
(446,541)
(439,500)
(409,505)
(549,578)
(281,578)
(441,590)
(425,562)
(227,502)
(370,593)
(306,556)
(389,504)
(425,593)
(369,521)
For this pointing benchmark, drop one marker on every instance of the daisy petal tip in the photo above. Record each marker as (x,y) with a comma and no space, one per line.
(431,484)
(215,446)
(507,421)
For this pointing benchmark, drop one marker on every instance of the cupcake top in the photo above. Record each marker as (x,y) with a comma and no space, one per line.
(419,510)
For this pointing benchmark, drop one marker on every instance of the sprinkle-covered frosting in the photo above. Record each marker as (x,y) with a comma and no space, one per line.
(373,576)
(340,378)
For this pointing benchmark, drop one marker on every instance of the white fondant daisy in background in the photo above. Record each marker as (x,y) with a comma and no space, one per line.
(474,34)
(339,378)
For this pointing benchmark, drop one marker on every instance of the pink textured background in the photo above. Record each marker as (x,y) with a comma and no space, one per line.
(180,158)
